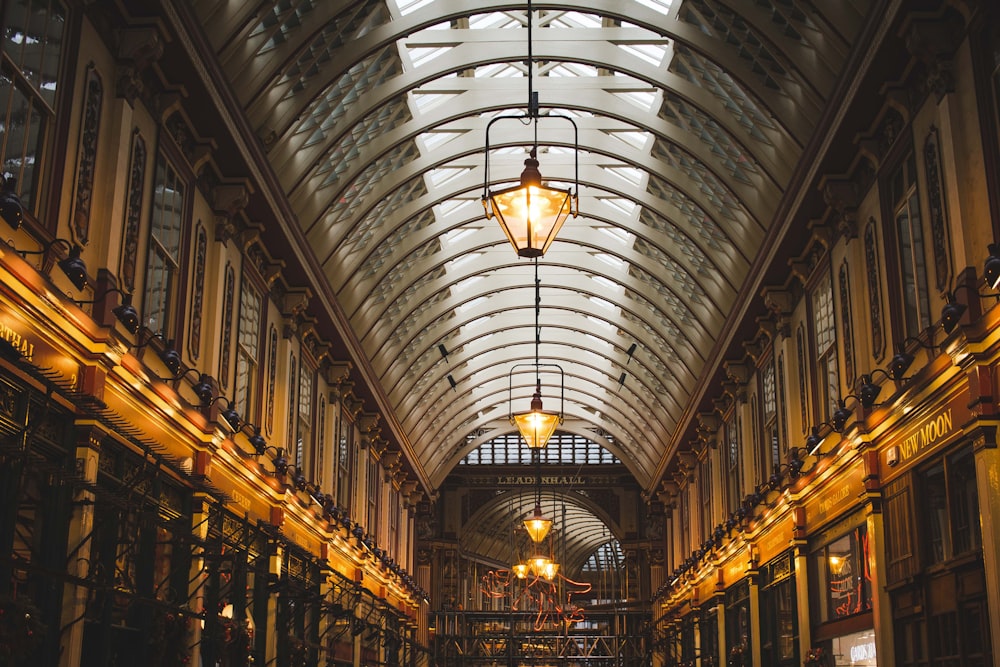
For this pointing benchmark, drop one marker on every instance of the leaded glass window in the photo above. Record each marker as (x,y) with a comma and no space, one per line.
(166,226)
(247,348)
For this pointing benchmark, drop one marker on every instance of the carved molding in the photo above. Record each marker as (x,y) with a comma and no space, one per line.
(843,196)
(337,372)
(138,48)
(779,303)
(933,41)
(737,371)
(228,201)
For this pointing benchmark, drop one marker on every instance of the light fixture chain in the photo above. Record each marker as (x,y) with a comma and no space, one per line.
(538,326)
(532,99)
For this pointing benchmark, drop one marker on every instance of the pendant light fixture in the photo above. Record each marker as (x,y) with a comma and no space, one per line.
(531,213)
(536,424)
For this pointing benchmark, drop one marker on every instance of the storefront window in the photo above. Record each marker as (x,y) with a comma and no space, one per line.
(950,506)
(778,626)
(709,634)
(939,608)
(856,650)
(738,639)
(842,585)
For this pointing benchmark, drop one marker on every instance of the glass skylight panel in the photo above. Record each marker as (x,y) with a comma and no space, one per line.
(630,175)
(617,233)
(610,260)
(468,305)
(493,20)
(633,138)
(709,184)
(572,70)
(467,283)
(369,179)
(452,206)
(410,6)
(720,83)
(606,283)
(434,140)
(422,55)
(442,175)
(651,53)
(456,235)
(603,303)
(662,6)
(577,20)
(643,99)
(702,126)
(626,206)
(693,214)
(745,43)
(598,321)
(688,247)
(459,261)
(359,79)
(497,70)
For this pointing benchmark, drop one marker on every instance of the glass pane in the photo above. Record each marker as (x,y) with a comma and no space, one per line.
(964,502)
(935,515)
(157,287)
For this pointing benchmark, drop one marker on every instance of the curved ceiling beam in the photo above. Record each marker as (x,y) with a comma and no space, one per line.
(718,282)
(586,525)
(508,304)
(290,150)
(586,387)
(665,210)
(707,315)
(785,107)
(312,200)
(356,277)
(682,358)
(511,384)
(473,359)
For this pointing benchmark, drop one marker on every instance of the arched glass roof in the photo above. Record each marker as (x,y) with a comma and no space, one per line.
(692,116)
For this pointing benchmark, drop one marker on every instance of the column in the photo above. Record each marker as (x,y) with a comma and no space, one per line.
(275,562)
(198,575)
(79,542)
(875,527)
(720,615)
(753,575)
(801,556)
(988,486)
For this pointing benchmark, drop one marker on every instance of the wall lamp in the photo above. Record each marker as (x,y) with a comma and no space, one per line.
(72,265)
(230,414)
(991,267)
(868,389)
(257,441)
(280,461)
(202,388)
(953,309)
(171,358)
(813,441)
(124,312)
(11,209)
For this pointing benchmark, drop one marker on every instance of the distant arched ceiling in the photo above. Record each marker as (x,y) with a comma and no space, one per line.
(692,117)
(580,528)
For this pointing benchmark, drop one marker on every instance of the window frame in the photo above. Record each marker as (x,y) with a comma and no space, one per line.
(246,393)
(344,463)
(825,353)
(46,176)
(174,293)
(733,456)
(902,160)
